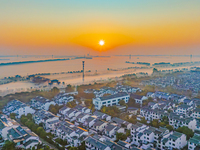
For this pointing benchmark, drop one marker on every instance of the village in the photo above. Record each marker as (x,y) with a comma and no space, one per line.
(113,117)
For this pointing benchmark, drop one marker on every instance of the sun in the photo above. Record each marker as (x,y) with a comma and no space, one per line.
(101,42)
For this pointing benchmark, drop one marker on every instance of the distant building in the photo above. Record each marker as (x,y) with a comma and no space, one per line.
(110,100)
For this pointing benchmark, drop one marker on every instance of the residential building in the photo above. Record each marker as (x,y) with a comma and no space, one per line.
(39,102)
(138,98)
(17,107)
(194,142)
(48,119)
(110,100)
(179,121)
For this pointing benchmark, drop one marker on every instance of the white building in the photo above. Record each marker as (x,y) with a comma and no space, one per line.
(68,131)
(63,98)
(48,119)
(110,100)
(174,140)
(41,103)
(183,109)
(138,98)
(194,142)
(178,121)
(99,125)
(17,107)
(21,136)
(196,113)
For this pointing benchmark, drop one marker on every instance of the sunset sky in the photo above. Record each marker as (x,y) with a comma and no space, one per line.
(72,27)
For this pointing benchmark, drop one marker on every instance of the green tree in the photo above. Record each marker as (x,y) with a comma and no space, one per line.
(73,148)
(169,127)
(82,146)
(9,145)
(120,136)
(185,130)
(155,123)
(143,120)
(162,124)
(122,103)
(12,116)
(29,116)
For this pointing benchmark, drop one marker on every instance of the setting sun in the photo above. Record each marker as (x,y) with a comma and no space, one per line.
(101,42)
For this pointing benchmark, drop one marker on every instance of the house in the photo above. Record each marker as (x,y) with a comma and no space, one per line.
(138,98)
(144,138)
(150,94)
(70,114)
(152,105)
(39,102)
(178,121)
(101,115)
(183,109)
(63,110)
(110,100)
(194,142)
(89,122)
(121,108)
(82,109)
(99,125)
(48,119)
(151,114)
(175,140)
(17,107)
(196,113)
(68,131)
(93,143)
(188,102)
(110,130)
(63,98)
(178,98)
(132,110)
(138,127)
(82,117)
(22,136)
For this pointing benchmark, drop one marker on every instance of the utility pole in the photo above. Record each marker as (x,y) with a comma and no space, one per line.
(83,62)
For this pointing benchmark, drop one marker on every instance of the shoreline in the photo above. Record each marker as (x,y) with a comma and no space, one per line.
(74,79)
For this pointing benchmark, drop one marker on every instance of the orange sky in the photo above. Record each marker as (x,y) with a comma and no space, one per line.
(80,26)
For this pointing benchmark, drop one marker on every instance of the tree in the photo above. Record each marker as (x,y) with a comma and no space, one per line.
(155,70)
(111,110)
(133,119)
(162,124)
(120,136)
(12,116)
(143,120)
(169,127)
(73,148)
(122,103)
(185,130)
(71,104)
(29,116)
(82,146)
(155,123)
(9,145)
(55,90)
(165,119)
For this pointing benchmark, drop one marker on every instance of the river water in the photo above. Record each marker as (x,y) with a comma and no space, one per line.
(97,66)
